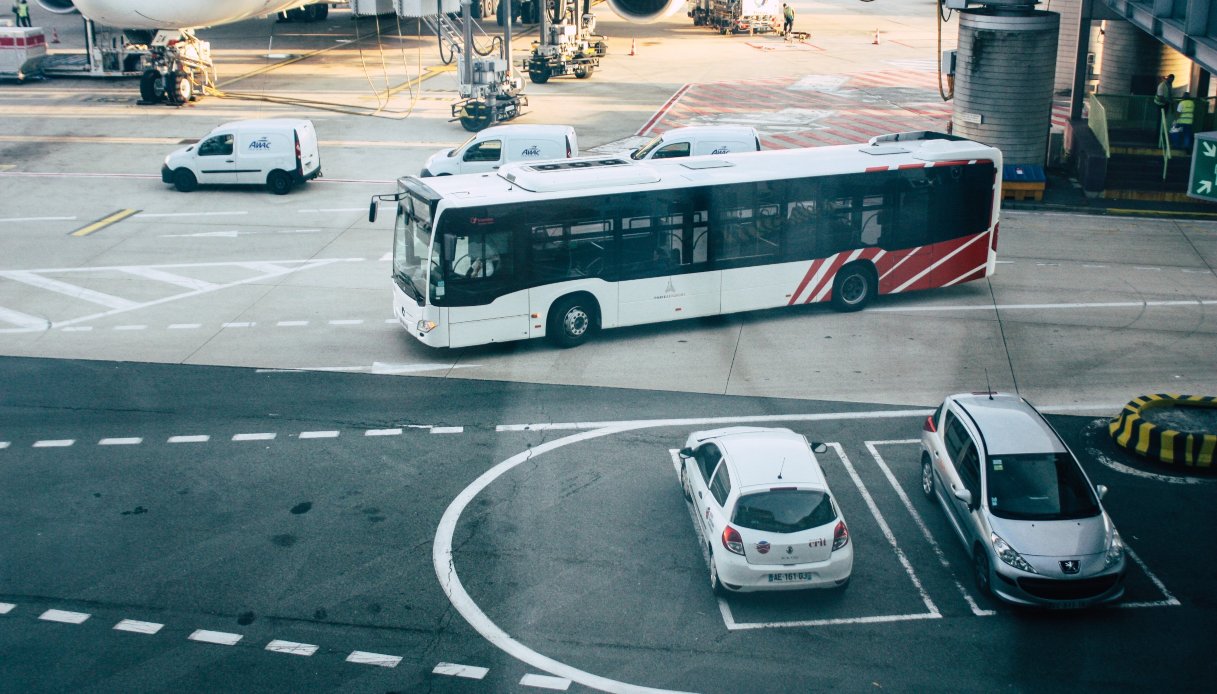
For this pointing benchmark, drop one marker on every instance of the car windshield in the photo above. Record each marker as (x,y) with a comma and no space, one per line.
(784,510)
(1039,486)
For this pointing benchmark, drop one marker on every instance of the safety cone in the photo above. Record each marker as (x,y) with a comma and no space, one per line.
(632,46)
(54,35)
(876,41)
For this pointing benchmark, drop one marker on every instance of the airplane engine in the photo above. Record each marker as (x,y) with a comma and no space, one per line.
(646,11)
(57,6)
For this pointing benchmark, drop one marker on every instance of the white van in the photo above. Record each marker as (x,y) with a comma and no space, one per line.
(698,140)
(491,148)
(276,152)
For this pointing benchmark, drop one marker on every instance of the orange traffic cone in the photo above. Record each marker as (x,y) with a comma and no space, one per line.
(876,41)
(632,46)
(54,35)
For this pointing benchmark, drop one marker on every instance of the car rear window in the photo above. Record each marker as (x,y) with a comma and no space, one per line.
(1046,486)
(784,510)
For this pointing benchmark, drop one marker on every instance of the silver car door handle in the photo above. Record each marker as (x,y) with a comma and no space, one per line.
(699,495)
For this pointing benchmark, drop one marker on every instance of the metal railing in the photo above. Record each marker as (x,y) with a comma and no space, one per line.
(1098,123)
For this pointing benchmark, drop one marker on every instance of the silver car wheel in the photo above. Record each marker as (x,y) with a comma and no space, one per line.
(927,477)
(980,565)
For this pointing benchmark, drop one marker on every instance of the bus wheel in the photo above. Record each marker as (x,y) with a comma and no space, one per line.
(571,321)
(853,288)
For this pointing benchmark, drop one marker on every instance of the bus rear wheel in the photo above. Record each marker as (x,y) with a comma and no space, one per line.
(571,321)
(853,287)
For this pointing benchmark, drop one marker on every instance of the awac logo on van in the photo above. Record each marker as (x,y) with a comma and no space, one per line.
(260,143)
(533,151)
(721,149)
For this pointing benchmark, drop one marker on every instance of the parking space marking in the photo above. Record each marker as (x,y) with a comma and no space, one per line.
(1168,599)
(64,616)
(138,627)
(925,531)
(471,672)
(725,609)
(219,638)
(291,647)
(560,684)
(378,659)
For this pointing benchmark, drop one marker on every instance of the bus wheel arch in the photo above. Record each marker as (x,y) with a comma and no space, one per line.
(572,319)
(854,286)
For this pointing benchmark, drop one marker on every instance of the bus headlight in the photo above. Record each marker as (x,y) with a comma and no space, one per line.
(426,326)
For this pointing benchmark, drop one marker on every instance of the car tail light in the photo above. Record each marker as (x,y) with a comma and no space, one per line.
(732,540)
(929,425)
(299,162)
(840,536)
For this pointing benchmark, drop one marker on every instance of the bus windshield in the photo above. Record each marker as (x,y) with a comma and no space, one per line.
(411,245)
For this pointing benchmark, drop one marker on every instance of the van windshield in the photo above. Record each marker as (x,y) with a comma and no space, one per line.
(644,151)
(461,147)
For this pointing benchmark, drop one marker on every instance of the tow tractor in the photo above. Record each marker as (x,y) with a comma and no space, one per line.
(568,43)
(490,93)
(738,16)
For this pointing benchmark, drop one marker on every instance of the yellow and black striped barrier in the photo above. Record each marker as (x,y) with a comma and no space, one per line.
(1191,448)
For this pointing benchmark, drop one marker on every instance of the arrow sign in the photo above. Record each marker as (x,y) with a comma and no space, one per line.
(1205,187)
(1210,148)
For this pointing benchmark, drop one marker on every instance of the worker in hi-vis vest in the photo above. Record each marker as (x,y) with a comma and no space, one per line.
(22,10)
(1186,121)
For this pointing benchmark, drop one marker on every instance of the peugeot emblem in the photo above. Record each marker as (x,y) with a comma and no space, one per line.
(789,549)
(1070,566)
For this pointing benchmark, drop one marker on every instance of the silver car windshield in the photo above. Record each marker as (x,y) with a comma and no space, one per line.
(1043,486)
(784,510)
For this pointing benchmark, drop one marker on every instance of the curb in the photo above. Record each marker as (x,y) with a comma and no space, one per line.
(1131,431)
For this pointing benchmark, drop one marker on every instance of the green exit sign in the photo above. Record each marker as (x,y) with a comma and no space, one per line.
(1203,181)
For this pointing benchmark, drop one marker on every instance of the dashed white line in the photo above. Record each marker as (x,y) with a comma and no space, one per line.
(237,325)
(471,672)
(291,647)
(291,323)
(560,684)
(378,659)
(148,215)
(220,638)
(262,436)
(198,438)
(54,443)
(5,444)
(447,430)
(37,219)
(319,434)
(182,326)
(128,441)
(77,329)
(138,627)
(63,616)
(130,327)
(349,321)
(6,607)
(383,432)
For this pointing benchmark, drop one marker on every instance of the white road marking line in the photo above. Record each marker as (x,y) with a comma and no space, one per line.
(560,684)
(714,421)
(356,321)
(76,292)
(130,327)
(153,215)
(383,432)
(365,658)
(887,531)
(333,209)
(182,326)
(877,619)
(5,444)
(386,257)
(63,616)
(219,638)
(447,430)
(199,438)
(169,278)
(925,531)
(1168,601)
(138,627)
(1094,267)
(77,329)
(263,436)
(54,443)
(1045,307)
(471,672)
(23,320)
(237,325)
(1122,468)
(129,441)
(291,647)
(37,219)
(391,321)
(291,323)
(6,607)
(319,434)
(1148,269)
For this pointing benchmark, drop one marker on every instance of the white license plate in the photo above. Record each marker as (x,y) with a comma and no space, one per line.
(1067,605)
(791,577)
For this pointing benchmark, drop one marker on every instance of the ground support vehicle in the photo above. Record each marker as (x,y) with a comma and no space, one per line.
(738,16)
(568,45)
(177,68)
(22,52)
(490,91)
(559,249)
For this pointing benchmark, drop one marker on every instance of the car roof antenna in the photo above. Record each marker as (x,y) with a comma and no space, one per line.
(781,467)
(988,385)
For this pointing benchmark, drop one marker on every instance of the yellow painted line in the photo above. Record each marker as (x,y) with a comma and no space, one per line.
(103,222)
(96,139)
(430,72)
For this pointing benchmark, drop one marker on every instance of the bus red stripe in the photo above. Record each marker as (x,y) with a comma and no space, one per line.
(828,277)
(806,278)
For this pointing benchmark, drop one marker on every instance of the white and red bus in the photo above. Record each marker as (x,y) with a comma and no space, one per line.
(564,248)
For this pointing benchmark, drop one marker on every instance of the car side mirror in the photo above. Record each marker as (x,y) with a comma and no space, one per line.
(1101,490)
(686,452)
(965,496)
(819,447)
(372,212)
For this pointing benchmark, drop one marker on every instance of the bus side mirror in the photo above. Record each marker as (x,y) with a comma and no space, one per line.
(686,452)
(372,211)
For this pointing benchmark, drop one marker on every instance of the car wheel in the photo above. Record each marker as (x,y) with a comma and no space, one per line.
(684,482)
(980,566)
(571,321)
(184,180)
(853,288)
(927,476)
(715,584)
(279,182)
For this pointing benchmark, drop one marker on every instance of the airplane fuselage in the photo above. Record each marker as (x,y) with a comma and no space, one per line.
(178,14)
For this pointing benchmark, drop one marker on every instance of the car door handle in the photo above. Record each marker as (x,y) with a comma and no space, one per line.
(229,161)
(699,495)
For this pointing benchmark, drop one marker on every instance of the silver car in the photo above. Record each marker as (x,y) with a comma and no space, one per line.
(1017,497)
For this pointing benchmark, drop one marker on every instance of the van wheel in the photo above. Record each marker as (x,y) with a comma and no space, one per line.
(853,288)
(539,75)
(571,321)
(278,182)
(152,86)
(184,180)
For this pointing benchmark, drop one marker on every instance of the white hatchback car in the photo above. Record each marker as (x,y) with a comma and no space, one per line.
(764,511)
